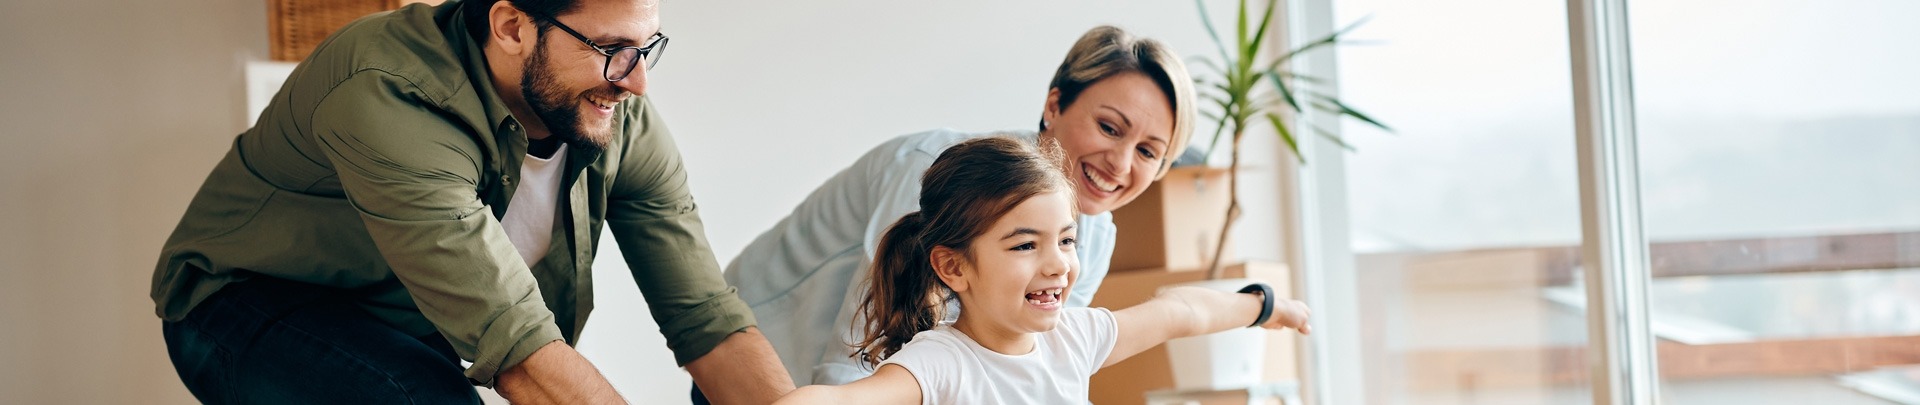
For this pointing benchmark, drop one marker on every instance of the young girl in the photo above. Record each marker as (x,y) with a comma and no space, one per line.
(996,233)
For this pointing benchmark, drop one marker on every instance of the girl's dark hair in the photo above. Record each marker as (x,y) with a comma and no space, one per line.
(966,190)
(476,13)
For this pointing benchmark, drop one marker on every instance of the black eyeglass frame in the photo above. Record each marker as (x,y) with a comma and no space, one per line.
(658,44)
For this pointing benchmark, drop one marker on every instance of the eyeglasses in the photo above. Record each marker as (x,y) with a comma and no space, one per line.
(621,60)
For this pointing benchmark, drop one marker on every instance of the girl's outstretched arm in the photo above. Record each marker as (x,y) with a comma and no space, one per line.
(1191,311)
(891,384)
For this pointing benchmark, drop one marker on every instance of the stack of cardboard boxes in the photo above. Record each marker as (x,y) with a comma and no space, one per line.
(1165,238)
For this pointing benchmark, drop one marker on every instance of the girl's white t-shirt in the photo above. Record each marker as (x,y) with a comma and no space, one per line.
(953,369)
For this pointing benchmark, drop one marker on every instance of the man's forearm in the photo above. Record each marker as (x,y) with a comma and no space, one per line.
(743,369)
(556,374)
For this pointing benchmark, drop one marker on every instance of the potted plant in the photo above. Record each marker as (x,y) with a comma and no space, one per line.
(1241,73)
(1245,87)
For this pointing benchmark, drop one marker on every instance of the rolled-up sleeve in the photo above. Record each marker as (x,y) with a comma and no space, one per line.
(413,176)
(653,217)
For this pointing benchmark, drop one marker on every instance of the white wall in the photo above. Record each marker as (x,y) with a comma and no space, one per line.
(114,111)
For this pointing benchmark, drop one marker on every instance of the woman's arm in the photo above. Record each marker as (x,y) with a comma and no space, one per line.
(891,384)
(1191,311)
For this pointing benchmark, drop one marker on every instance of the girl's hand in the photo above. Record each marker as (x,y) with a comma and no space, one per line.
(1290,314)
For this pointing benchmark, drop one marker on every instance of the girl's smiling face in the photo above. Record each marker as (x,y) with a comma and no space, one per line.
(1018,273)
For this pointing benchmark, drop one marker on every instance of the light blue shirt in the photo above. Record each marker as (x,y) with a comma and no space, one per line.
(804,278)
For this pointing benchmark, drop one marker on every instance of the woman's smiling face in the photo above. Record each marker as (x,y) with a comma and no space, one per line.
(1115,136)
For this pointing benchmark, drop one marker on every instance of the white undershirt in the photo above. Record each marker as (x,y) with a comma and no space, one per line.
(529,219)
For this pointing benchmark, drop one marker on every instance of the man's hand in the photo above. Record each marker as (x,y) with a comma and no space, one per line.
(556,374)
(741,370)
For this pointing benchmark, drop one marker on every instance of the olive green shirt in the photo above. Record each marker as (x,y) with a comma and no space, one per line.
(382,168)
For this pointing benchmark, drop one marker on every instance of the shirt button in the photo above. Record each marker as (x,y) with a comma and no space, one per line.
(505,179)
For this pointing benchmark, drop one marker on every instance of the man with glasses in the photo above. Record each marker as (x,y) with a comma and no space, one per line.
(429,187)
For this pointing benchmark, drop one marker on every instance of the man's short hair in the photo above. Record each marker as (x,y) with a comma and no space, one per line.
(477,12)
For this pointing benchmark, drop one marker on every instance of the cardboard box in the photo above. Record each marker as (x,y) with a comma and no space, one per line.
(1128,382)
(1175,223)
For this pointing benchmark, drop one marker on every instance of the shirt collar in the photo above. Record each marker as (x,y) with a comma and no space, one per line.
(478,73)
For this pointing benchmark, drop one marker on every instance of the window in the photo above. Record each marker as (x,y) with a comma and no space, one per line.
(1780,183)
(1466,220)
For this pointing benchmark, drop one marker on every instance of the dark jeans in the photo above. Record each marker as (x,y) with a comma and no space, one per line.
(268,340)
(699,398)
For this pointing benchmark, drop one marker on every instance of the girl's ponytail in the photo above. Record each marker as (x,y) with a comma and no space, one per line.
(904,295)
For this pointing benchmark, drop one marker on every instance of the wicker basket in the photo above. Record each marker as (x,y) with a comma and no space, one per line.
(298,26)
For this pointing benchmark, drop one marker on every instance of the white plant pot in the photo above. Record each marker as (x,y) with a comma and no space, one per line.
(1225,360)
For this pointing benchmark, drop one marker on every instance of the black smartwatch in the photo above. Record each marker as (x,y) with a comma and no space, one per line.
(1266,301)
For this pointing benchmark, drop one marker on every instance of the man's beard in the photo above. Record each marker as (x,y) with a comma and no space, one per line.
(559,111)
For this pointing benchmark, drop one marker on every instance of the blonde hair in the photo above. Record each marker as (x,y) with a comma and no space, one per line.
(1105,51)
